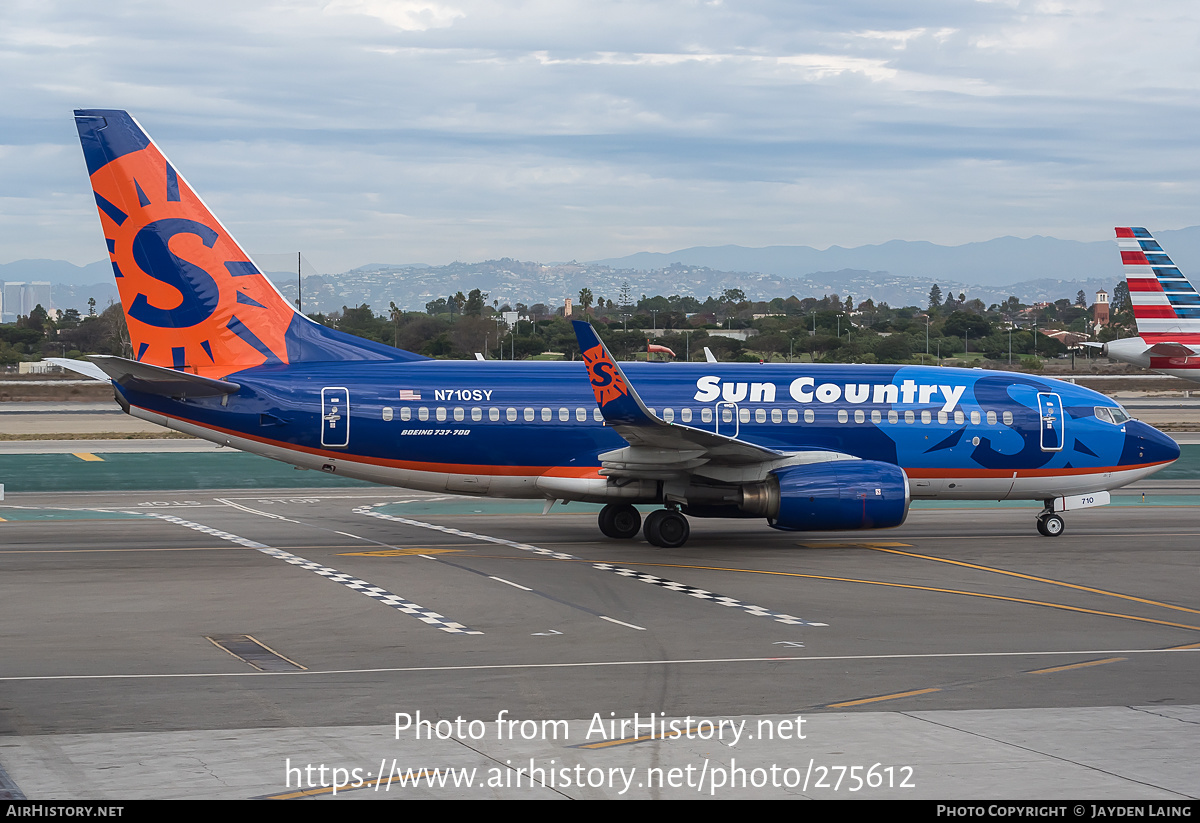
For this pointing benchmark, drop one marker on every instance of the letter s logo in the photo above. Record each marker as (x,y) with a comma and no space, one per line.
(602,374)
(152,253)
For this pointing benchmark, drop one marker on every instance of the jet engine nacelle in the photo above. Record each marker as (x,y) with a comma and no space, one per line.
(841,495)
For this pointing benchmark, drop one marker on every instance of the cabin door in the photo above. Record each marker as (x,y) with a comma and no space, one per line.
(335,418)
(1053,420)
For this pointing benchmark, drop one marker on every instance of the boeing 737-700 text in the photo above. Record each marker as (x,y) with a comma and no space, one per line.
(219,353)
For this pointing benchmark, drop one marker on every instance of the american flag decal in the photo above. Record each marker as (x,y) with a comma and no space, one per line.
(409,394)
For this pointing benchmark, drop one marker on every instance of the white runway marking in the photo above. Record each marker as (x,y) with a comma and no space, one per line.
(361,586)
(671,585)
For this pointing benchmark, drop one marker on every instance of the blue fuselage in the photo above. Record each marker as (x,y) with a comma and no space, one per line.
(956,432)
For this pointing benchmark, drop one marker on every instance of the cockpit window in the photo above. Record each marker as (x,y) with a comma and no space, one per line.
(1116,416)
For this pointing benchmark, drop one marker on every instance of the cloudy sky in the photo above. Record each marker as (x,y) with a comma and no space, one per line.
(360,131)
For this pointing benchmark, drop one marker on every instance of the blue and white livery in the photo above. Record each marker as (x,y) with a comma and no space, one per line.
(220,354)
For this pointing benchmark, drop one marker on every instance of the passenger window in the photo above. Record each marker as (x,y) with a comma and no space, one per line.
(581,414)
(441,414)
(685,415)
(706,415)
(943,418)
(991,418)
(876,417)
(564,415)
(476,415)
(422,413)
(493,414)
(459,415)
(406,414)
(760,415)
(726,414)
(669,415)
(809,416)
(910,417)
(893,416)
(1007,418)
(776,416)
(597,415)
(743,415)
(860,416)
(793,416)
(528,414)
(842,416)
(387,412)
(975,418)
(959,417)
(546,415)
(511,414)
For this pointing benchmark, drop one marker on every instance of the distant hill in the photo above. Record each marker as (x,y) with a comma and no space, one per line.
(995,263)
(899,273)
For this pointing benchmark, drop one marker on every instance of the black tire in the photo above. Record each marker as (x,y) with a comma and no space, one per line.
(667,528)
(1052,525)
(620,521)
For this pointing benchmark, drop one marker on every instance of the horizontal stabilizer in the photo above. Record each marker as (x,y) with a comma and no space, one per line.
(1171,350)
(144,377)
(83,367)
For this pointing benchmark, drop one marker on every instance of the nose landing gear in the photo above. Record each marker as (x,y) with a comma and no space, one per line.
(1050,524)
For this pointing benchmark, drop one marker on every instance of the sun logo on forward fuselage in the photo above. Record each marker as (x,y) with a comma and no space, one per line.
(607,384)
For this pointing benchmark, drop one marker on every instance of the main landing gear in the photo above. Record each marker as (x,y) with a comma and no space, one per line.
(665,527)
(1050,524)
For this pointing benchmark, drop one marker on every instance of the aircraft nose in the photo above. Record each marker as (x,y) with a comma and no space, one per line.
(1146,444)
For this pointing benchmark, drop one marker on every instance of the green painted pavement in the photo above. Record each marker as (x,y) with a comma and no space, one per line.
(18,513)
(160,471)
(157,472)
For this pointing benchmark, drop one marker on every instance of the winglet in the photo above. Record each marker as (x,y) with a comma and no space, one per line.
(615,396)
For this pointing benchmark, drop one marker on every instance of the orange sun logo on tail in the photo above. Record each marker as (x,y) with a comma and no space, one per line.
(607,384)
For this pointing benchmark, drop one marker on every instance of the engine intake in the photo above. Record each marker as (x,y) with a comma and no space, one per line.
(838,496)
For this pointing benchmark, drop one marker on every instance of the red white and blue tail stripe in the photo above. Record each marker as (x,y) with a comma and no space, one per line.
(1164,302)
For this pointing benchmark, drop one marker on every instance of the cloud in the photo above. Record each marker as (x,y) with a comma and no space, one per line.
(362,130)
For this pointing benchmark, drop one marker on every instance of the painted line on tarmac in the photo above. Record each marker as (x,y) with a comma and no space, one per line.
(670,585)
(425,553)
(376,593)
(936,589)
(884,548)
(600,664)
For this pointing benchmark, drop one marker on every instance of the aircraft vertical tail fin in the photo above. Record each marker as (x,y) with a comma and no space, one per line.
(1164,301)
(193,299)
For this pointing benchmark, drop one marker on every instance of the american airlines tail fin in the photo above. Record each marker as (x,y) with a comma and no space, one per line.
(1166,305)
(193,299)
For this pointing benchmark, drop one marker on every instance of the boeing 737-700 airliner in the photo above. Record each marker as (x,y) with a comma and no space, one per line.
(220,354)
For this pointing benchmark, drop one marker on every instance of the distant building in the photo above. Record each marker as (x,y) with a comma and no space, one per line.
(567,308)
(1100,309)
(18,299)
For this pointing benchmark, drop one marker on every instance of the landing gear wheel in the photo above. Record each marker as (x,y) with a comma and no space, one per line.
(620,521)
(1050,525)
(666,528)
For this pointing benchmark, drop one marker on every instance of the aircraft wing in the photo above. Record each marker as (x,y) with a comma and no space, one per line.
(656,448)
